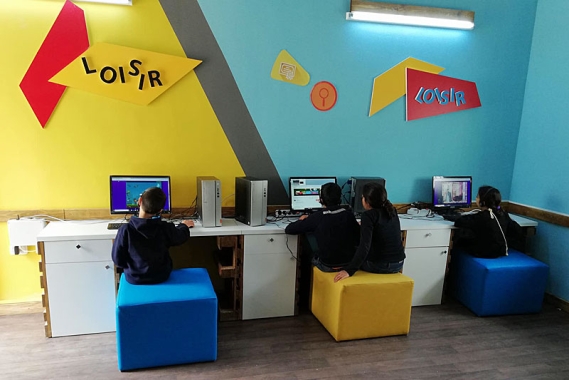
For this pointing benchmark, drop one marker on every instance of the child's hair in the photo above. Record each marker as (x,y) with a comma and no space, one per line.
(330,194)
(153,200)
(376,196)
(490,197)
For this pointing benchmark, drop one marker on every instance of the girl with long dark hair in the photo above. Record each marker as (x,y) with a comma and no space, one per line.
(380,249)
(487,233)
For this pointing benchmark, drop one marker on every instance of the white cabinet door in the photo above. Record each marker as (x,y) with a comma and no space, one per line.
(427,267)
(269,276)
(81,297)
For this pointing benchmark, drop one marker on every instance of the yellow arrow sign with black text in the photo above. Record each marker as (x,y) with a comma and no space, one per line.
(132,75)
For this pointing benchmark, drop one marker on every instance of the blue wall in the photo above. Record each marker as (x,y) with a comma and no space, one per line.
(346,142)
(541,175)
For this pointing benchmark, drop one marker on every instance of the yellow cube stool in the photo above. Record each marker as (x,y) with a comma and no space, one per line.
(365,305)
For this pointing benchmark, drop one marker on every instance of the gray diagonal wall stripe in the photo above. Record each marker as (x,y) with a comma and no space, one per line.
(198,42)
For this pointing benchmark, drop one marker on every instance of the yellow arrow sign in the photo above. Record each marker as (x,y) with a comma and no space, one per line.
(133,75)
(391,85)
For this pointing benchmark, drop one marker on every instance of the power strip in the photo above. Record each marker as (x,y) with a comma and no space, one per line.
(287,213)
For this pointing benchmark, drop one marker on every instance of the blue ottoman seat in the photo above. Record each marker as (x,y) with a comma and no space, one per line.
(174,322)
(513,284)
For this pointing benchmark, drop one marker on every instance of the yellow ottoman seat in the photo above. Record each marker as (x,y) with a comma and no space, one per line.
(365,305)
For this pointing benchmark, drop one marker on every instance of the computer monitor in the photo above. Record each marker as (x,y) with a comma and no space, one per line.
(452,192)
(356,189)
(305,192)
(125,191)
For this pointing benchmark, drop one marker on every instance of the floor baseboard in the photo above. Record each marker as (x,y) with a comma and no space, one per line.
(557,302)
(21,308)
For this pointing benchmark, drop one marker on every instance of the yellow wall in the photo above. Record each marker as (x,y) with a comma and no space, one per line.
(89,137)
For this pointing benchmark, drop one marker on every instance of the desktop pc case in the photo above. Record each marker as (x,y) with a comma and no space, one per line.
(356,188)
(209,201)
(251,200)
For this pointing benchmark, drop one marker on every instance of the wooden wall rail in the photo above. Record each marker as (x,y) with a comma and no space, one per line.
(539,214)
(103,213)
(88,213)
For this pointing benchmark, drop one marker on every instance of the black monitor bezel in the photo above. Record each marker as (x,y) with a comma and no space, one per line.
(357,183)
(454,205)
(290,179)
(168,204)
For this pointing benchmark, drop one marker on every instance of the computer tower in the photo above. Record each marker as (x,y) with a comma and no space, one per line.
(209,201)
(357,185)
(251,200)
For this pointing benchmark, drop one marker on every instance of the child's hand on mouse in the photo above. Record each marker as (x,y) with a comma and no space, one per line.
(189,223)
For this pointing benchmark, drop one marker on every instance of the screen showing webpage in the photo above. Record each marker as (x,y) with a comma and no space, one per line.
(305,192)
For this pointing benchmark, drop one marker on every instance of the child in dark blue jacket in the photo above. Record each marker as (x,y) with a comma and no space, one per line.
(141,246)
(333,232)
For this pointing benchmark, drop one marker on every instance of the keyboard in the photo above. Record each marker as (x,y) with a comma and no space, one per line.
(114,226)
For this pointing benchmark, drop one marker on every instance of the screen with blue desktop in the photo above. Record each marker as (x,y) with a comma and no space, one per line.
(305,192)
(125,191)
(452,192)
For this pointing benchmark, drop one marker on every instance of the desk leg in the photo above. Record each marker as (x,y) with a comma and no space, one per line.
(449,258)
(298,277)
(45,296)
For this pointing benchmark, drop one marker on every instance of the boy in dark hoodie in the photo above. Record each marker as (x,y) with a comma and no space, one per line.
(141,246)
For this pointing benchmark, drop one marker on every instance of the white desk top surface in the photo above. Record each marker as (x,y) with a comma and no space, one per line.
(423,223)
(92,229)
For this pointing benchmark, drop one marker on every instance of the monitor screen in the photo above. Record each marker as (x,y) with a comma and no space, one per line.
(452,192)
(125,191)
(305,192)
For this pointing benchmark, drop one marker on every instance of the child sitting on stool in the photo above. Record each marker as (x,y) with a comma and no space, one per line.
(488,233)
(380,249)
(141,245)
(332,233)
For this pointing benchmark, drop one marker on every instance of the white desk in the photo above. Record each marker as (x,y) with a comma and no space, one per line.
(79,277)
(427,246)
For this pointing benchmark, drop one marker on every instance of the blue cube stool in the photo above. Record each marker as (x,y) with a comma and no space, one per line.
(513,284)
(174,322)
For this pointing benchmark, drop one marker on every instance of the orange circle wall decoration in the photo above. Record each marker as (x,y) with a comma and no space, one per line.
(323,96)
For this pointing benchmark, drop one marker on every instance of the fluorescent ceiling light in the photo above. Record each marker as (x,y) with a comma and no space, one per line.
(119,2)
(410,15)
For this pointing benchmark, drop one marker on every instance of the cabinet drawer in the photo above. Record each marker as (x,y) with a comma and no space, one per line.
(427,238)
(77,251)
(273,243)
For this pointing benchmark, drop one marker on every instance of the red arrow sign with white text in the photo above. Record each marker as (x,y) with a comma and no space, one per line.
(432,94)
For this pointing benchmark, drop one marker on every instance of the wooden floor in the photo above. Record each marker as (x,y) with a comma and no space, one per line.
(445,342)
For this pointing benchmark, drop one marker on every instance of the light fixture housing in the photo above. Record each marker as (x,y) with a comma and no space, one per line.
(118,2)
(410,15)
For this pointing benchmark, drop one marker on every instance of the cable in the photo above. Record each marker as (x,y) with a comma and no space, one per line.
(223,200)
(344,197)
(287,247)
(41,217)
(492,216)
(183,215)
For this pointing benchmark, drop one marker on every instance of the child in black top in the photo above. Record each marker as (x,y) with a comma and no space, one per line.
(380,249)
(141,246)
(333,233)
(490,231)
